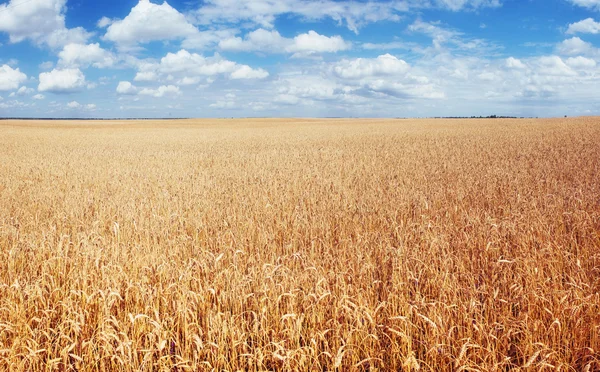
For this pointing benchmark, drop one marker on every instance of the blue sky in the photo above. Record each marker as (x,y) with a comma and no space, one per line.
(268,58)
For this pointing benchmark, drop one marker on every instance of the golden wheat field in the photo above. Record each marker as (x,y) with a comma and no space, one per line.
(300,245)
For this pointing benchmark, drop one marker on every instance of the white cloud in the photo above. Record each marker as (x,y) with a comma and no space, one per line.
(126,88)
(272,42)
(80,55)
(149,22)
(512,62)
(356,84)
(247,72)
(189,80)
(312,42)
(591,4)
(24,91)
(63,37)
(104,22)
(307,87)
(580,62)
(196,64)
(208,39)
(223,104)
(38,96)
(575,46)
(41,21)
(184,64)
(146,76)
(11,79)
(161,91)
(366,67)
(257,40)
(383,76)
(62,81)
(74,105)
(587,26)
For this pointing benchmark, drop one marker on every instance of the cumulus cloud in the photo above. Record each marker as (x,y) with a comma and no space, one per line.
(272,42)
(104,22)
(189,80)
(146,76)
(161,91)
(148,22)
(194,64)
(304,87)
(575,46)
(41,21)
(357,82)
(312,42)
(11,79)
(553,65)
(62,81)
(366,67)
(223,105)
(247,72)
(580,62)
(516,84)
(208,39)
(80,55)
(587,26)
(74,105)
(22,91)
(257,40)
(512,62)
(38,96)
(126,88)
(184,64)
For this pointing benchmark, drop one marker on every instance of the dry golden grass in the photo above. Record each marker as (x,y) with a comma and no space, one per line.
(432,245)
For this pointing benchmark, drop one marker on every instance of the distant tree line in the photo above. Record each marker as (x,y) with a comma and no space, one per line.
(479,117)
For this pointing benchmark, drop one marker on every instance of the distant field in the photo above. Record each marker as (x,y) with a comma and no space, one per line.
(301,245)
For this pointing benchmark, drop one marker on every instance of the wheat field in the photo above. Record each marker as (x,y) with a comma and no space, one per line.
(300,245)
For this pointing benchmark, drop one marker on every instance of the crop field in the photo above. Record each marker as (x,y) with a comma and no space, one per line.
(300,245)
